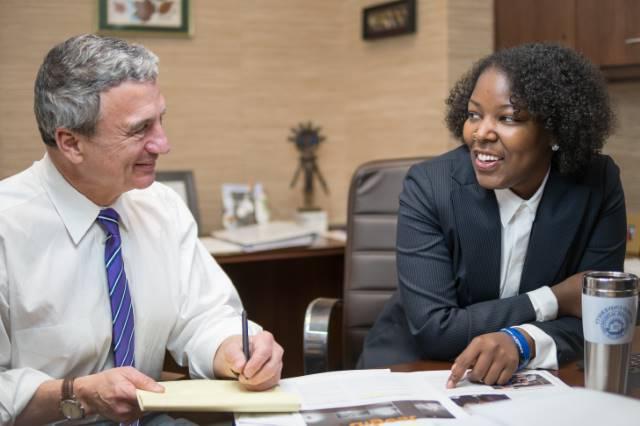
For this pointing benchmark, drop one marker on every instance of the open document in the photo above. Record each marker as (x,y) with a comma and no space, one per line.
(365,397)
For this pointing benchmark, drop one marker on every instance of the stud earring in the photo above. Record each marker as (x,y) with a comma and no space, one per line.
(555,147)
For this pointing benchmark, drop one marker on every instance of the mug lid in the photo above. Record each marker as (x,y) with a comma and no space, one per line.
(611,281)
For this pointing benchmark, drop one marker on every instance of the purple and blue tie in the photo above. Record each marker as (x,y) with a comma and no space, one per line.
(121,307)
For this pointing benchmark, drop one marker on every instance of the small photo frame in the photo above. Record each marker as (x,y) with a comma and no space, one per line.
(183,183)
(389,19)
(238,207)
(159,17)
(243,204)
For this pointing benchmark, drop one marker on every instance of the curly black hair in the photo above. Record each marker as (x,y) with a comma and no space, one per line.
(564,92)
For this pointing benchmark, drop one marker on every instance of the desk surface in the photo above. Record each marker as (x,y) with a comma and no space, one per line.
(321,247)
(569,373)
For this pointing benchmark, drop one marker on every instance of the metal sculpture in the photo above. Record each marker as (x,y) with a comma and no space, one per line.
(307,138)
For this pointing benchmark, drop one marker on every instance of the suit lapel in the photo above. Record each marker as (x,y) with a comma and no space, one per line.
(553,231)
(478,224)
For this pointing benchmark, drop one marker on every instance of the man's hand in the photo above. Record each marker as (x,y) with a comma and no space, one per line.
(492,358)
(569,296)
(262,371)
(112,393)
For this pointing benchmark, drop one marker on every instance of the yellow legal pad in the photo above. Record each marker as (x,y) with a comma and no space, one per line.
(216,395)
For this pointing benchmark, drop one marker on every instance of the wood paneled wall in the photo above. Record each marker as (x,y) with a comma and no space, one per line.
(623,145)
(254,69)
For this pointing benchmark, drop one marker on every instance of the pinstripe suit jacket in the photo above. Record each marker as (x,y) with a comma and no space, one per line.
(448,258)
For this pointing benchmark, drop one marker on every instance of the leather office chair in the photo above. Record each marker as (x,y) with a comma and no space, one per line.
(370,267)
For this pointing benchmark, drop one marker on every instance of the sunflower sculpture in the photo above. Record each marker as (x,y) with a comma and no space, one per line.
(307,139)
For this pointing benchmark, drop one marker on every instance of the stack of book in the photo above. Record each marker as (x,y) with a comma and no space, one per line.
(267,236)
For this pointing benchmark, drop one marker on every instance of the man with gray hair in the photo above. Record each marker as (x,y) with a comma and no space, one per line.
(101,270)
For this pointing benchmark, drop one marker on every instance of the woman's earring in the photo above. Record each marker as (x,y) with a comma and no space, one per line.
(555,147)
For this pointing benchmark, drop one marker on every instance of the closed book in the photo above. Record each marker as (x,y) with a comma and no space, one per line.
(268,236)
(216,395)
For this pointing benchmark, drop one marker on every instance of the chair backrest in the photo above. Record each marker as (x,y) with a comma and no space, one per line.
(370,257)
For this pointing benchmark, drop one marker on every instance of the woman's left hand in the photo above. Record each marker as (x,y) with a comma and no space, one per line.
(492,358)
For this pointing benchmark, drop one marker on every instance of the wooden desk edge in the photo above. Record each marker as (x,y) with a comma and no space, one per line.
(322,247)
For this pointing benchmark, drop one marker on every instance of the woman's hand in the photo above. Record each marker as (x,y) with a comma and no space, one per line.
(492,358)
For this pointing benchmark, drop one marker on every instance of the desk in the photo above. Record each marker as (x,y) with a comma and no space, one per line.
(568,373)
(277,285)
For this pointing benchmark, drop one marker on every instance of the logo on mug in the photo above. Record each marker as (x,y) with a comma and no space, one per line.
(614,321)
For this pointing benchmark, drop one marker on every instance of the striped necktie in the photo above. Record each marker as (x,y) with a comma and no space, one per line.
(121,307)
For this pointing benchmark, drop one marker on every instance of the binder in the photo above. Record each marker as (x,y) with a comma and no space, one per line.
(267,236)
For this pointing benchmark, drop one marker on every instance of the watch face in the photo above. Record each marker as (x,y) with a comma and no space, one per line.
(71,409)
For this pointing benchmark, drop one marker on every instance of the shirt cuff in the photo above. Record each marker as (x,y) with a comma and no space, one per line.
(544,303)
(17,387)
(546,353)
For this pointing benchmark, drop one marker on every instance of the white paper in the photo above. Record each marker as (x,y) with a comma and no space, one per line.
(576,406)
(377,396)
(267,236)
(358,395)
(216,246)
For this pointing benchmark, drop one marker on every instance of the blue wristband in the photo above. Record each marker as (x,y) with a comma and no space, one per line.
(524,350)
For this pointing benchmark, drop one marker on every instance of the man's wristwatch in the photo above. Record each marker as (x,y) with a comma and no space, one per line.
(69,406)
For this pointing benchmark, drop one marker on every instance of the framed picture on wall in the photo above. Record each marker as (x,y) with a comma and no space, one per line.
(389,19)
(159,17)
(183,183)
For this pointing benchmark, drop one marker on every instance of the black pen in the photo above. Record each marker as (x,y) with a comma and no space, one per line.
(245,335)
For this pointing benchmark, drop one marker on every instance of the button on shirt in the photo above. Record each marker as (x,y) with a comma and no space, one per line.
(55,318)
(517,216)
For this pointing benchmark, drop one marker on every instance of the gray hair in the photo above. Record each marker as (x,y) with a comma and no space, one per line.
(74,74)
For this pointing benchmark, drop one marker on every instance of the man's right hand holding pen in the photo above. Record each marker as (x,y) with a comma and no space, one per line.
(261,371)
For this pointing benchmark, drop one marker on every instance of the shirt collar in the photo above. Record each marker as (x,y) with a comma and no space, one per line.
(509,202)
(76,211)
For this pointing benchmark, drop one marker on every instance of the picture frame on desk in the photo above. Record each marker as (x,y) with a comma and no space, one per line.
(183,182)
(152,17)
(238,205)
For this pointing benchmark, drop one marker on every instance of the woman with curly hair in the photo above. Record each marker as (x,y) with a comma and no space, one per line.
(493,237)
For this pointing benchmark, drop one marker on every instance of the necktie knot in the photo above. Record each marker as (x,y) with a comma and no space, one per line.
(109,221)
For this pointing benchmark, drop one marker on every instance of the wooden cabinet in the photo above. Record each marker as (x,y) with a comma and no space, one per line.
(526,21)
(606,31)
(277,285)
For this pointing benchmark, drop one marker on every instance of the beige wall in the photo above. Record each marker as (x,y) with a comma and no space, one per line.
(254,69)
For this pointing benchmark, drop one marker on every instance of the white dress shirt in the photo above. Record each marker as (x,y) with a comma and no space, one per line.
(517,216)
(55,317)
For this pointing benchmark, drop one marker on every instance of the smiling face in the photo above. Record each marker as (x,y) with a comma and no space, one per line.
(509,149)
(122,153)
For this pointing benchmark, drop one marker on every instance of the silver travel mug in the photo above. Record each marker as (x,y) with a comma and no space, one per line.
(609,310)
